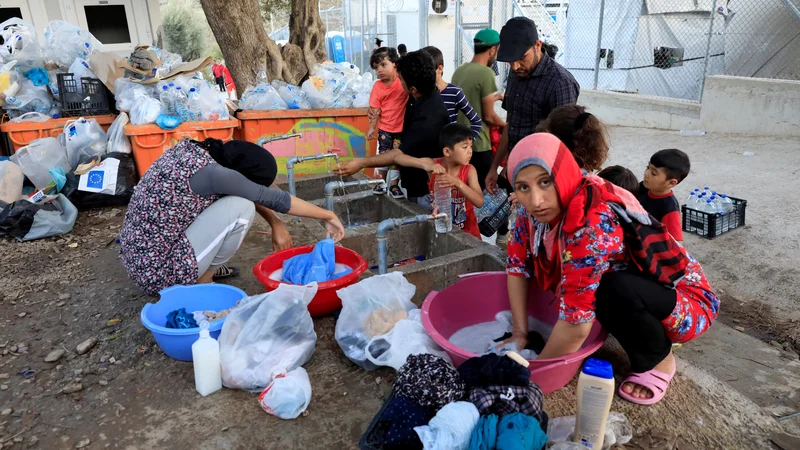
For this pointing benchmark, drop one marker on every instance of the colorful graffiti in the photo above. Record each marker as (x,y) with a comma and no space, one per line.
(342,135)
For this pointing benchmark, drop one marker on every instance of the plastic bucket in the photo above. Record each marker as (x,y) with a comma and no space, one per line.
(478,298)
(177,343)
(326,301)
(150,141)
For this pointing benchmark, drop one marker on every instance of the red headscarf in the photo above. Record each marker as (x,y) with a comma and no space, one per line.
(649,245)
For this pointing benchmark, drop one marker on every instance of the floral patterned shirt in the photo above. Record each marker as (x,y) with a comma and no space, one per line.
(598,248)
(154,248)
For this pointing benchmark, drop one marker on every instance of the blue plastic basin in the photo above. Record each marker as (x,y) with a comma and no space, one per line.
(177,343)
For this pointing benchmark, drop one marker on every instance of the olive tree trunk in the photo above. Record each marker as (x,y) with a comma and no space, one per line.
(246,46)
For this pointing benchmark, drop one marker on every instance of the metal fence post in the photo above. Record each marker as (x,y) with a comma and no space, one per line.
(599,38)
(708,48)
(457,42)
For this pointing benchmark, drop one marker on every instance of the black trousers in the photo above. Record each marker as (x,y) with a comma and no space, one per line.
(221,83)
(482,161)
(631,308)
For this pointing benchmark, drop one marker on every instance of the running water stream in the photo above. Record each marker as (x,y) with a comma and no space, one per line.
(341,187)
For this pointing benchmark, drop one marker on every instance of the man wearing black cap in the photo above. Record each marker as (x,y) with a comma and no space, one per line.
(537,85)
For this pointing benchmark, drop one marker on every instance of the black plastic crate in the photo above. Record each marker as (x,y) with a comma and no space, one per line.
(710,225)
(489,225)
(93,101)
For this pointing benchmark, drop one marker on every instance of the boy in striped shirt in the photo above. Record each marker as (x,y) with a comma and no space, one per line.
(452,95)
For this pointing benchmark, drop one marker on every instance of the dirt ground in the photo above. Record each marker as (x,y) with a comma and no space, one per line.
(59,292)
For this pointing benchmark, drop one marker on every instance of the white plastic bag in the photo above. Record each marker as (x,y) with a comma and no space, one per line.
(37,158)
(267,335)
(30,98)
(314,96)
(20,43)
(11,179)
(80,69)
(408,337)
(262,97)
(386,297)
(619,431)
(84,139)
(288,395)
(65,42)
(117,140)
(31,117)
(145,109)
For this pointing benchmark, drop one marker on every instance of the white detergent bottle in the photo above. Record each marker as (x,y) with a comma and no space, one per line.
(207,369)
(595,393)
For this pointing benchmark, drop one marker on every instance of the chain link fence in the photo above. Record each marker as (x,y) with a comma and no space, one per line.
(662,48)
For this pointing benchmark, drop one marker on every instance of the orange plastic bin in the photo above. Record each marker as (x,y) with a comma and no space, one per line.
(22,133)
(148,142)
(321,130)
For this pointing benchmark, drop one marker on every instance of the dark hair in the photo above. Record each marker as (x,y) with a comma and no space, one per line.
(550,49)
(483,48)
(454,133)
(674,162)
(402,48)
(418,70)
(436,54)
(384,52)
(582,133)
(622,177)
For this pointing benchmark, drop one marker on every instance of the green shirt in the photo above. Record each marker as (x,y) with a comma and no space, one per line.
(477,81)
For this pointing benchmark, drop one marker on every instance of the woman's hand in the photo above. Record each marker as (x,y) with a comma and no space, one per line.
(335,229)
(520,339)
(281,239)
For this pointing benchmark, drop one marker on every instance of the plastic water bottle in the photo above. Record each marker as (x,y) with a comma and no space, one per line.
(167,101)
(707,207)
(205,357)
(490,204)
(443,200)
(691,200)
(262,76)
(181,106)
(194,105)
(726,204)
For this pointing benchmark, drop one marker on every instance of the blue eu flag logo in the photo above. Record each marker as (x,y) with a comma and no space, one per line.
(95,179)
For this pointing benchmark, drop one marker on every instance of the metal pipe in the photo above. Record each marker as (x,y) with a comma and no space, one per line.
(392,224)
(264,141)
(708,48)
(599,38)
(332,186)
(298,159)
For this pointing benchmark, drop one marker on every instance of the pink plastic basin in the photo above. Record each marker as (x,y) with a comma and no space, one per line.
(478,298)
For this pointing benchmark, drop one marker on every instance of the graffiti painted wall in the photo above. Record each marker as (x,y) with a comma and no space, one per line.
(343,134)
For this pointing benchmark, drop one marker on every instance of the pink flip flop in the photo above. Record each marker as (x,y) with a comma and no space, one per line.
(655,380)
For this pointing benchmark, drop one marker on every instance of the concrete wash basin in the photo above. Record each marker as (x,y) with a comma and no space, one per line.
(312,187)
(365,209)
(407,242)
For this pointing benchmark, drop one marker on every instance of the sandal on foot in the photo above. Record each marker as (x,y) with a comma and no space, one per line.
(654,380)
(224,271)
(396,192)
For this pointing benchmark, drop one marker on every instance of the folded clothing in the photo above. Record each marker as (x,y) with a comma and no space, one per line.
(515,431)
(398,420)
(317,266)
(504,400)
(451,428)
(484,436)
(493,369)
(430,381)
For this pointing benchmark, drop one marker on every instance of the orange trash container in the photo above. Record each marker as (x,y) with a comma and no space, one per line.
(343,131)
(22,133)
(148,142)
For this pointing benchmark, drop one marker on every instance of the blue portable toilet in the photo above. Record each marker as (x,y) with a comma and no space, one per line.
(337,53)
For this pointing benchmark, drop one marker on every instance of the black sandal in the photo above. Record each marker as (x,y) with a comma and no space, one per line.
(396,192)
(224,271)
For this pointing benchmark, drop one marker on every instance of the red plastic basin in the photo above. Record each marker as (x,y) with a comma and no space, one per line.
(478,298)
(326,301)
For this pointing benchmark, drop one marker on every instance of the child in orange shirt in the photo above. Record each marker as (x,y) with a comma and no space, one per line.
(387,104)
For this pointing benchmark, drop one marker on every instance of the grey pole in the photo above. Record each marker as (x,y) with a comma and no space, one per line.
(599,38)
(708,48)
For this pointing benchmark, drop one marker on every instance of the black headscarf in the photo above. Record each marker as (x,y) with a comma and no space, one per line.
(251,160)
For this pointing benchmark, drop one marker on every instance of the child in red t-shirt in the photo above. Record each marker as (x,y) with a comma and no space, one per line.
(387,104)
(454,171)
(667,168)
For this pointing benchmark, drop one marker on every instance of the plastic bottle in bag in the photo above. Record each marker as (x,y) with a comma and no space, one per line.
(194,105)
(262,76)
(181,104)
(167,100)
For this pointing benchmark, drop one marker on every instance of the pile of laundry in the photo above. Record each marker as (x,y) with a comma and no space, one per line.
(488,403)
(487,337)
